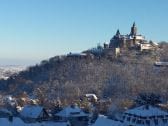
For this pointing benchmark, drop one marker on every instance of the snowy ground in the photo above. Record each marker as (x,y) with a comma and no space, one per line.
(7,71)
(19,122)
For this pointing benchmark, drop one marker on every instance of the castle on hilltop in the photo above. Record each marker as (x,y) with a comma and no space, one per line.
(119,44)
(129,41)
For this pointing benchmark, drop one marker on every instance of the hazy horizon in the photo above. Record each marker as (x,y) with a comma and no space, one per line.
(18,62)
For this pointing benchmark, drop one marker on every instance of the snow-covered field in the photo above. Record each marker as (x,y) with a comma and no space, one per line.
(7,71)
(18,122)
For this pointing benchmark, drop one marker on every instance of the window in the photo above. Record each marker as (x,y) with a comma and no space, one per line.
(147,122)
(80,118)
(128,118)
(123,117)
(164,120)
(139,121)
(156,121)
(134,120)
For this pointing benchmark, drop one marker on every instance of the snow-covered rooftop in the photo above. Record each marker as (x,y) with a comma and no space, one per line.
(161,63)
(31,111)
(76,54)
(5,111)
(19,122)
(104,121)
(147,111)
(71,112)
(92,95)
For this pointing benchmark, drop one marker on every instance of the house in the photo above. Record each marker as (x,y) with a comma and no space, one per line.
(145,115)
(72,111)
(161,64)
(105,121)
(74,115)
(147,46)
(91,97)
(33,113)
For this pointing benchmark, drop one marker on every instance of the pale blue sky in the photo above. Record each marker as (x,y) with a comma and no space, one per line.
(32,30)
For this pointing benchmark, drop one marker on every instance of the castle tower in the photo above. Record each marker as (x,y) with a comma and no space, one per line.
(118,33)
(133,30)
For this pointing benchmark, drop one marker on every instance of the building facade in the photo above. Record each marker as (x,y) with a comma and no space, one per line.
(126,41)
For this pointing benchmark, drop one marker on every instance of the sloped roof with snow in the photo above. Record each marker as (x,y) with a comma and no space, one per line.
(2,110)
(31,111)
(104,121)
(92,95)
(147,111)
(19,122)
(71,112)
